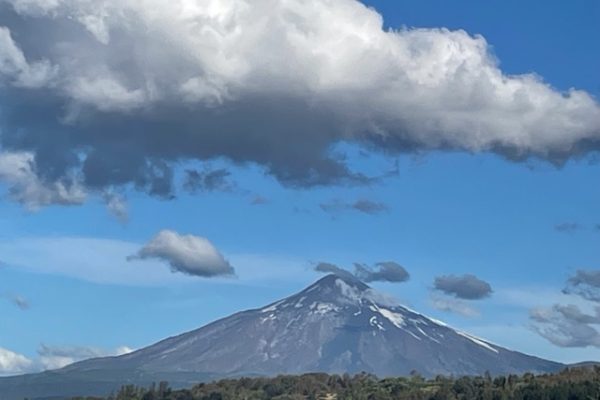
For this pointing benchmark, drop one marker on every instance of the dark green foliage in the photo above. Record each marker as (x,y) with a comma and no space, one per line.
(570,384)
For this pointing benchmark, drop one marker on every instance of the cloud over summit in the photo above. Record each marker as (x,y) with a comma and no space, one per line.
(384,271)
(122,90)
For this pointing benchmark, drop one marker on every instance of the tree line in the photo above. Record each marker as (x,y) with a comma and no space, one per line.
(569,384)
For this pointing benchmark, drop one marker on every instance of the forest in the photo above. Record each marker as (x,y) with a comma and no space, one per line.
(569,384)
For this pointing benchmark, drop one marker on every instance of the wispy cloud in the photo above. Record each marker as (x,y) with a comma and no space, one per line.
(15,299)
(453,305)
(116,205)
(52,357)
(208,180)
(585,283)
(384,271)
(567,227)
(89,259)
(569,324)
(104,261)
(364,206)
(259,200)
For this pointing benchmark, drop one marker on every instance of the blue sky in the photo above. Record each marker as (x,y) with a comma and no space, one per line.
(443,212)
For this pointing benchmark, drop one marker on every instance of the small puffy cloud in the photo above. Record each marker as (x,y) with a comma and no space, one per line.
(453,305)
(585,283)
(364,206)
(12,363)
(55,357)
(386,271)
(117,206)
(567,325)
(567,227)
(467,287)
(188,254)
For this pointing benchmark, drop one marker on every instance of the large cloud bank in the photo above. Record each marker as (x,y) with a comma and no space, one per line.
(97,94)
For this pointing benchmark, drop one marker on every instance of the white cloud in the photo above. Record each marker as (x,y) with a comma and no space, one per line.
(36,7)
(54,357)
(106,93)
(18,170)
(328,52)
(190,79)
(12,363)
(94,260)
(15,67)
(189,254)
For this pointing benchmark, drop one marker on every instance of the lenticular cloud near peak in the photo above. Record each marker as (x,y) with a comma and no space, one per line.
(123,89)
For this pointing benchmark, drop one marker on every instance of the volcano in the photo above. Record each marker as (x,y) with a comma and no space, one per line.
(337,325)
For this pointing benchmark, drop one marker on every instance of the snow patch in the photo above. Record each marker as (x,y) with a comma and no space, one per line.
(299,303)
(412,334)
(394,318)
(426,335)
(418,321)
(438,322)
(373,322)
(478,341)
(271,317)
(291,321)
(323,308)
(272,307)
